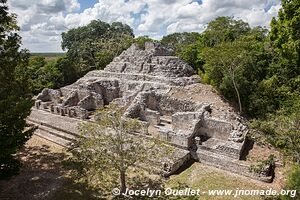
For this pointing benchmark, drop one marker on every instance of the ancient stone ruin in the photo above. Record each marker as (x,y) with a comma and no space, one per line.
(166,95)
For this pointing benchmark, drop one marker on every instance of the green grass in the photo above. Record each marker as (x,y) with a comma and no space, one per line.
(205,178)
(48,56)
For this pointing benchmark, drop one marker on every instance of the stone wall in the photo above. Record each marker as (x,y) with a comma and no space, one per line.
(215,128)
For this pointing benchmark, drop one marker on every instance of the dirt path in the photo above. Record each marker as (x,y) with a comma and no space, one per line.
(40,175)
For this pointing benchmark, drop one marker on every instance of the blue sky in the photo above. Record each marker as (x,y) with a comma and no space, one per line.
(43,21)
(84,4)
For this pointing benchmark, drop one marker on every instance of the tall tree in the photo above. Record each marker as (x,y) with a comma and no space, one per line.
(108,148)
(43,74)
(186,46)
(285,35)
(95,45)
(224,29)
(280,88)
(228,58)
(235,68)
(15,98)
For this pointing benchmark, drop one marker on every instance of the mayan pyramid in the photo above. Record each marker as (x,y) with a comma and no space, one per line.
(165,94)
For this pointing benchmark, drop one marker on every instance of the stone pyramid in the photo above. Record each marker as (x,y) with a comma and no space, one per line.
(153,87)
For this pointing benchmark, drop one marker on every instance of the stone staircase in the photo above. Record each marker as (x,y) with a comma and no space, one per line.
(165,119)
(57,129)
(227,163)
(53,136)
(165,125)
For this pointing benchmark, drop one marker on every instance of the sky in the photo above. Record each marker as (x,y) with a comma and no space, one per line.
(43,21)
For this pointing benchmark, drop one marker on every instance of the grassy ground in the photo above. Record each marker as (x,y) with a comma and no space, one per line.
(48,56)
(203,177)
(44,177)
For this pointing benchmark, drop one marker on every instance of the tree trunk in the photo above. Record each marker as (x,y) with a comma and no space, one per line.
(238,95)
(122,181)
(232,74)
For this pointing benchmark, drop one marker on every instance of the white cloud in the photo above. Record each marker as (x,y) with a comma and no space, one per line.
(44,20)
(108,11)
(40,20)
(186,15)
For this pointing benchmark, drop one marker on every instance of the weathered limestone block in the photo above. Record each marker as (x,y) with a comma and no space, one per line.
(180,140)
(44,95)
(154,60)
(63,111)
(151,116)
(156,49)
(71,100)
(151,100)
(91,102)
(45,105)
(177,159)
(109,89)
(236,136)
(38,104)
(71,112)
(50,95)
(57,110)
(239,132)
(215,128)
(169,105)
(229,164)
(231,149)
(185,121)
(52,108)
(82,113)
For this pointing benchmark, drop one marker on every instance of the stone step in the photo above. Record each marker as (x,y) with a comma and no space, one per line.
(223,147)
(57,133)
(164,127)
(55,128)
(53,138)
(166,119)
(57,122)
(228,164)
(51,127)
(142,77)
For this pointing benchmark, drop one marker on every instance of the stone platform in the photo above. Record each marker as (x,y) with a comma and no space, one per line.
(142,81)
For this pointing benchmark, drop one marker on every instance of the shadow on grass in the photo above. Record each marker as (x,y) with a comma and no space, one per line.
(42,177)
(45,175)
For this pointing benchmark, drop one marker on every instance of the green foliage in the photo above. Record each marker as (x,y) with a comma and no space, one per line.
(43,74)
(234,57)
(109,148)
(68,71)
(261,165)
(140,41)
(283,130)
(277,96)
(89,47)
(190,53)
(15,97)
(284,34)
(284,72)
(176,41)
(235,68)
(224,29)
(293,183)
(186,46)
(95,45)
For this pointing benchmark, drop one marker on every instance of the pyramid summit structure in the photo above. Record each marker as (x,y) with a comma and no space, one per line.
(166,95)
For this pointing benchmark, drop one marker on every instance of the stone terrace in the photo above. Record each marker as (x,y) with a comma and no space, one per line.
(141,80)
